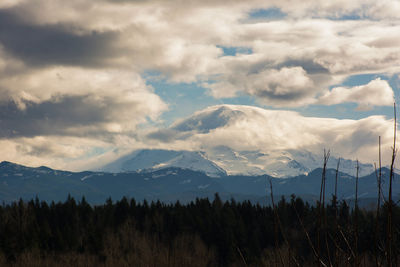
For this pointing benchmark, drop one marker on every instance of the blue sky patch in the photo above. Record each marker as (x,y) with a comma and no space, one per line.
(235,50)
(267,14)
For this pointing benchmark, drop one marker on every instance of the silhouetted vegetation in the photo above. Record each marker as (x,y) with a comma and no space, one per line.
(201,233)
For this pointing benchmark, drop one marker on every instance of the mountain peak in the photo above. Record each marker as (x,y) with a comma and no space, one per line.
(5,164)
(209,119)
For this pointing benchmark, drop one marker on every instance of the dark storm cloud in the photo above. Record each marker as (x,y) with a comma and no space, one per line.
(55,117)
(53,44)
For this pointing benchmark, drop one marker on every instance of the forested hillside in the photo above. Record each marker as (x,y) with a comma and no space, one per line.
(201,233)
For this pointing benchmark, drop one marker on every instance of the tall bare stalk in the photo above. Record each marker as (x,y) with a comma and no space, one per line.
(336,183)
(276,229)
(389,233)
(241,256)
(378,205)
(380,175)
(315,252)
(356,260)
(325,226)
(321,204)
(335,202)
(279,226)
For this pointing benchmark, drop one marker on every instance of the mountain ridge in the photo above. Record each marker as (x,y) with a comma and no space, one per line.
(172,184)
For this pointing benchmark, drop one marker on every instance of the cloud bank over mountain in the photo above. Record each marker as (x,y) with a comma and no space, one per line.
(256,129)
(75,76)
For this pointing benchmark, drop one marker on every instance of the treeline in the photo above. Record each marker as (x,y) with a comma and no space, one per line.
(201,233)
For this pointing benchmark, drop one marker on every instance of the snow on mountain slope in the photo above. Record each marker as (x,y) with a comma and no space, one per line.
(158,159)
(221,160)
(252,140)
(278,163)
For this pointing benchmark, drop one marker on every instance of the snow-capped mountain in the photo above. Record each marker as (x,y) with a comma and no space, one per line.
(252,141)
(154,159)
(273,163)
(221,160)
(212,118)
(245,140)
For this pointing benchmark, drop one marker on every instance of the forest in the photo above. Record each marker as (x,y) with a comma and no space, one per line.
(201,233)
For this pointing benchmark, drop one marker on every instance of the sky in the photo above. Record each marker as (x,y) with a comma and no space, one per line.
(83,82)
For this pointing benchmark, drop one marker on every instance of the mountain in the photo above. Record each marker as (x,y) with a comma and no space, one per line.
(278,163)
(18,181)
(221,160)
(212,118)
(172,184)
(148,159)
(247,140)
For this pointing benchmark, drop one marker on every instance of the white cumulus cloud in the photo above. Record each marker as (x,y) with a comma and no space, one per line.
(376,93)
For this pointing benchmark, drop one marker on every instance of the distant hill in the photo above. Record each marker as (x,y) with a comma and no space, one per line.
(172,184)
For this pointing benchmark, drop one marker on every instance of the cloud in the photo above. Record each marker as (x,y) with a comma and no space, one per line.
(251,128)
(75,69)
(182,41)
(286,86)
(71,116)
(97,14)
(371,9)
(75,102)
(376,93)
(55,151)
(55,44)
(239,127)
(327,52)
